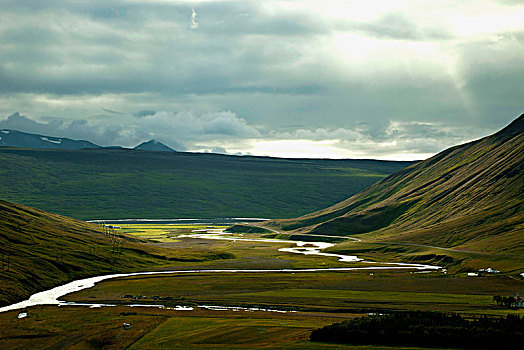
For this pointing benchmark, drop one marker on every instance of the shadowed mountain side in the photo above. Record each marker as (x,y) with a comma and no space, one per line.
(124,183)
(469,196)
(39,250)
(154,145)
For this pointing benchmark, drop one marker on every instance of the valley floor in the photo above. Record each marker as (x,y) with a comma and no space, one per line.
(316,299)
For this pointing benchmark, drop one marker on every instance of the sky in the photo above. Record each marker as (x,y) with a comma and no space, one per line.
(382,79)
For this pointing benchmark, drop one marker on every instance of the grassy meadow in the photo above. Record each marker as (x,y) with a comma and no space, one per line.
(456,261)
(316,298)
(81,328)
(332,292)
(358,291)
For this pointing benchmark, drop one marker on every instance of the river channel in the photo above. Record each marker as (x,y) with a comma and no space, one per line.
(52,296)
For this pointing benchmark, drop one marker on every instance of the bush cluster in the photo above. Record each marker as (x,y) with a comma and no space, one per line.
(422,328)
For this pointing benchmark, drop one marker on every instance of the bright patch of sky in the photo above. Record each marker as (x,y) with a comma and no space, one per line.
(387,79)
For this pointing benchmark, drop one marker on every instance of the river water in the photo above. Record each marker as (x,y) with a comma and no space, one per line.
(52,296)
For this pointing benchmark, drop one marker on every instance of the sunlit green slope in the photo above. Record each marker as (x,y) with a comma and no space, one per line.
(39,250)
(470,196)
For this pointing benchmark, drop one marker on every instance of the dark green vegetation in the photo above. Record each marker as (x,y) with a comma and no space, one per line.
(427,329)
(120,183)
(469,198)
(39,250)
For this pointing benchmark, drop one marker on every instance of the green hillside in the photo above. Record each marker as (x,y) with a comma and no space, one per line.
(121,183)
(39,250)
(469,198)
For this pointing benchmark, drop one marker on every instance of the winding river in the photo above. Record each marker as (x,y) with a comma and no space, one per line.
(52,296)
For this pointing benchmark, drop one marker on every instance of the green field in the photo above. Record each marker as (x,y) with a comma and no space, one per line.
(316,299)
(321,291)
(356,291)
(81,328)
(112,183)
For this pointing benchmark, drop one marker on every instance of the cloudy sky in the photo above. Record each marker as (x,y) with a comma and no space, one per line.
(380,79)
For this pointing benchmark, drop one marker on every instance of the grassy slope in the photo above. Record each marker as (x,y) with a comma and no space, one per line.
(469,197)
(45,250)
(111,183)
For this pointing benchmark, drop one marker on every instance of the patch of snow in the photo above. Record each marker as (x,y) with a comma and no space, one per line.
(5,132)
(43,138)
(472,274)
(22,315)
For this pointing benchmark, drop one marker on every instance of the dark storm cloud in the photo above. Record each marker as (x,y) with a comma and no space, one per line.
(76,129)
(145,113)
(22,123)
(121,49)
(358,67)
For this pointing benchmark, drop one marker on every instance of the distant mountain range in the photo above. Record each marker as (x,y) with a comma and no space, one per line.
(15,138)
(469,197)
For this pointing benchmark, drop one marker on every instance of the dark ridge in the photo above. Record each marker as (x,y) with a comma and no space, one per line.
(515,128)
(153,145)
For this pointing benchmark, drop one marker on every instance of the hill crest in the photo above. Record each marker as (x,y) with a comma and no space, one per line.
(469,196)
(154,145)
